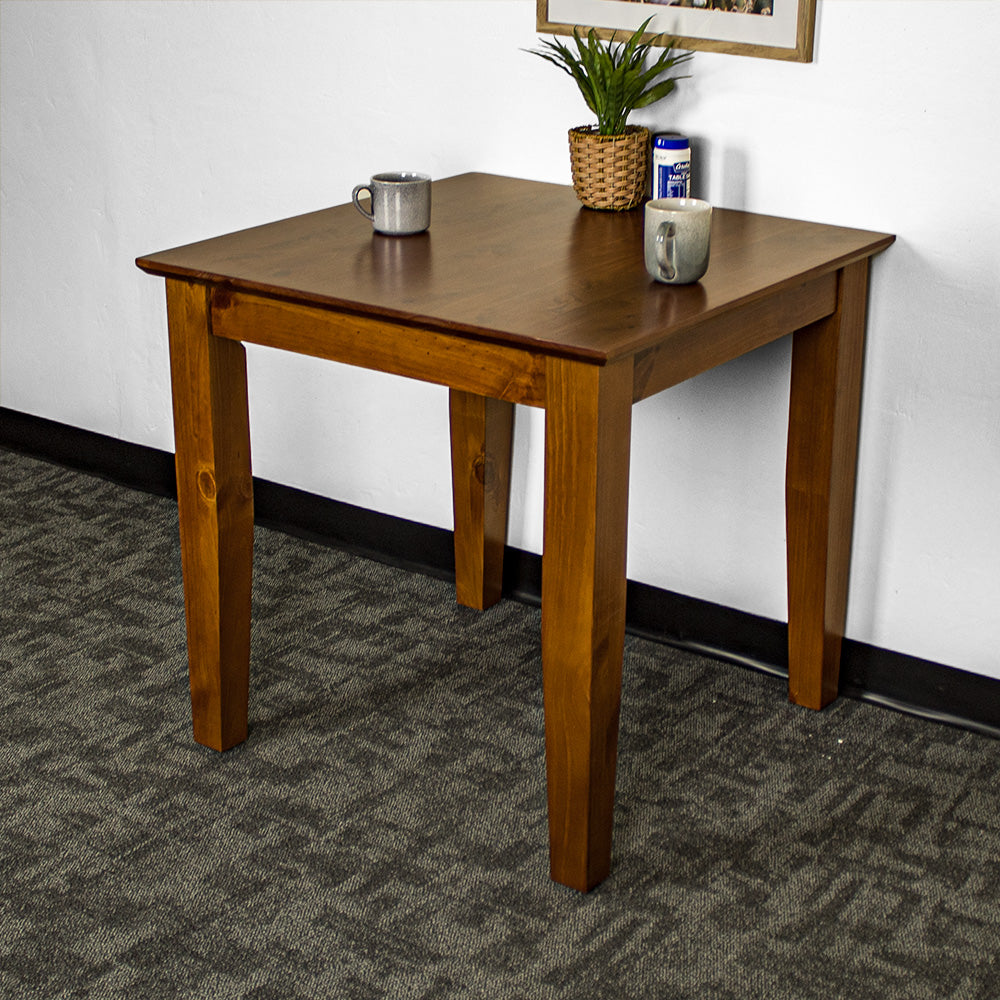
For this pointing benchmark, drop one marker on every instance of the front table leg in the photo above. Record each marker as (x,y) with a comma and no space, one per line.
(215,504)
(819,488)
(587,437)
(482,433)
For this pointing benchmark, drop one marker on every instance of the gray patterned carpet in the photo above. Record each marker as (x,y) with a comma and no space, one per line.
(382,832)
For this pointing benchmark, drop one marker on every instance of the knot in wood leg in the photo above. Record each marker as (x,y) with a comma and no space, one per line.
(206,484)
(484,469)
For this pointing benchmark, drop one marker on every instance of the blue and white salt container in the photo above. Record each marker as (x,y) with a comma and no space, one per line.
(671,166)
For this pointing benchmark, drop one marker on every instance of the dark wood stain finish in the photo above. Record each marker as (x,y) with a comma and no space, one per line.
(517,295)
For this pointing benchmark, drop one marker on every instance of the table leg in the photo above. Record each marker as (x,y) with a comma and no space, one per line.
(823,421)
(481,438)
(587,437)
(215,503)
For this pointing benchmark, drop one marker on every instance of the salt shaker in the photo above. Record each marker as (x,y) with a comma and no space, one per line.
(671,166)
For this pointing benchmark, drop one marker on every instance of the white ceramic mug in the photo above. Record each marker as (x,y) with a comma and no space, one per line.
(400,202)
(678,232)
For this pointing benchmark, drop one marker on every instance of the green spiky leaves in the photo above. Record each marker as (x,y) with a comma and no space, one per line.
(614,79)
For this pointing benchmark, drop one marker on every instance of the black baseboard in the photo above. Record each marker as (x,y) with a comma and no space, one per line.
(139,467)
(884,677)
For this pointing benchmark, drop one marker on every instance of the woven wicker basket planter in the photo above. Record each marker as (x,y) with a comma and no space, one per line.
(610,171)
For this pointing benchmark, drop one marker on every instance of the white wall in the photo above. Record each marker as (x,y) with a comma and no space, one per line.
(131,127)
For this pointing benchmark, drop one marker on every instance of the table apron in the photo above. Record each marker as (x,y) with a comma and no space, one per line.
(501,371)
(716,340)
(487,369)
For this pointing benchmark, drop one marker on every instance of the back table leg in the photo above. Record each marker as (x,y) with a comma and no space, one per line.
(215,502)
(481,437)
(819,488)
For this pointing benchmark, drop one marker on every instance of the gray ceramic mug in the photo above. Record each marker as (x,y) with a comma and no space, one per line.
(678,232)
(400,202)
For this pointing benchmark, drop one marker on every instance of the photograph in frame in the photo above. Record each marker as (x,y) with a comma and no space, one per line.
(770,29)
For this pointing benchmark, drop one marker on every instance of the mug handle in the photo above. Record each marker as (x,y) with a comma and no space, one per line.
(370,216)
(665,249)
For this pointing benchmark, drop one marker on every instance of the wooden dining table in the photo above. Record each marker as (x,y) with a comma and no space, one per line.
(518,295)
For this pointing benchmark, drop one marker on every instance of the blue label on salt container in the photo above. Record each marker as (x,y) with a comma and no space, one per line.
(673,180)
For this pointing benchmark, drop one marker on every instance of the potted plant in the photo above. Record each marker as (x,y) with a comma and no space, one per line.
(610,161)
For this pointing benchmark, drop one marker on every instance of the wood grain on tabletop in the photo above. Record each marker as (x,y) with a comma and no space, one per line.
(516,262)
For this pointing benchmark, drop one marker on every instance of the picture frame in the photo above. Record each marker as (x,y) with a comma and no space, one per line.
(786,33)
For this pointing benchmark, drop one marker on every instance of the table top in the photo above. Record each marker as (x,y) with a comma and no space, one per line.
(516,262)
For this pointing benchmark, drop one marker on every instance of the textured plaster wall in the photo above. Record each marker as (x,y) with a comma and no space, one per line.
(132,127)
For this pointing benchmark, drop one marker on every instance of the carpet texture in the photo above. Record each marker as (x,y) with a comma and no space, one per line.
(382,832)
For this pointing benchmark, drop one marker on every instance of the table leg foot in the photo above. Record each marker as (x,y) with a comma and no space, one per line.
(824,414)
(215,504)
(481,440)
(587,435)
